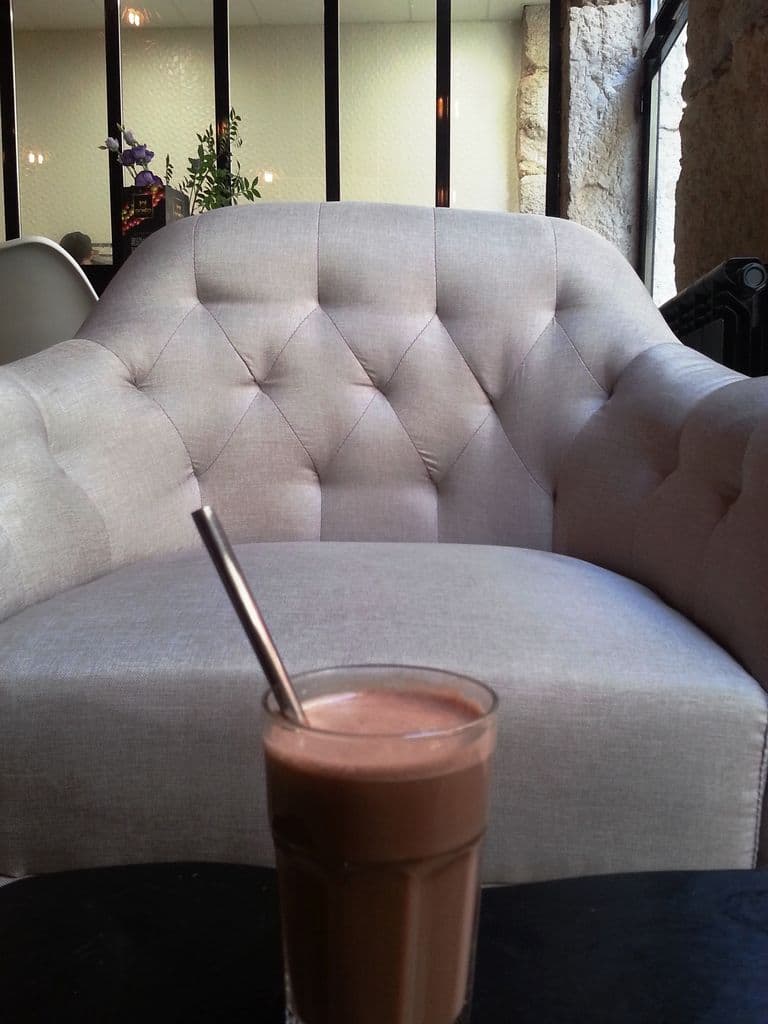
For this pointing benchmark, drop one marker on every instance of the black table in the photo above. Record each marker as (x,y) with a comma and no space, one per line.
(194,943)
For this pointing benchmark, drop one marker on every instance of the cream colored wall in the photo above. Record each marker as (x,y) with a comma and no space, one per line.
(387,113)
(276,84)
(61,112)
(168,91)
(486,57)
(387,125)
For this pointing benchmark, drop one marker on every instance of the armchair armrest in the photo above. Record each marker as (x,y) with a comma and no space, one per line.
(668,484)
(93,473)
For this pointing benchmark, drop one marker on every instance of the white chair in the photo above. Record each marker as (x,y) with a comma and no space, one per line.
(44,296)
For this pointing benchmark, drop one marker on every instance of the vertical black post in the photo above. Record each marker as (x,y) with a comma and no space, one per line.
(332,134)
(112,52)
(558,12)
(221,81)
(443,104)
(8,115)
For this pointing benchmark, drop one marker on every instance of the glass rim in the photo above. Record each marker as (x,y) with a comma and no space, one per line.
(269,703)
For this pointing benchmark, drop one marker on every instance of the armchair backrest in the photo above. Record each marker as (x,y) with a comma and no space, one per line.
(317,371)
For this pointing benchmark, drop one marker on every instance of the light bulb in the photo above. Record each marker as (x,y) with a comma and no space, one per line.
(31,158)
(39,158)
(268,177)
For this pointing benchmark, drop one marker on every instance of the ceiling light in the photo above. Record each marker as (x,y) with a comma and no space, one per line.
(134,17)
(268,177)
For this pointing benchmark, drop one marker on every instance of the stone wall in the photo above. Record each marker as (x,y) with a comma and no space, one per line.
(533,109)
(722,197)
(602,141)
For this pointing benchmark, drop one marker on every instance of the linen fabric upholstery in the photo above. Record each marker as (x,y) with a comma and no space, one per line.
(628,739)
(339,371)
(362,373)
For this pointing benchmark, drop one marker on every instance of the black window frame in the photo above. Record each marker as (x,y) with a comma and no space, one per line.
(221,40)
(662,33)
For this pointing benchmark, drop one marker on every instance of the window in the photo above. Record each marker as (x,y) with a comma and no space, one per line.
(61,115)
(665,66)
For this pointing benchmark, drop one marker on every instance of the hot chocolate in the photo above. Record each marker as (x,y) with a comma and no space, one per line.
(377,812)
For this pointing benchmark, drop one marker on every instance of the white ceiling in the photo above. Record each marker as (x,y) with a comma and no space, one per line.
(61,15)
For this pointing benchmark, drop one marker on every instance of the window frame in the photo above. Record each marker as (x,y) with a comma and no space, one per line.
(221,38)
(661,35)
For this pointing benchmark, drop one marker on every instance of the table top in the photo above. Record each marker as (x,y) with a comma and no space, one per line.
(192,943)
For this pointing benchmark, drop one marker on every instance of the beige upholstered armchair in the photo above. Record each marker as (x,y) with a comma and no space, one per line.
(438,437)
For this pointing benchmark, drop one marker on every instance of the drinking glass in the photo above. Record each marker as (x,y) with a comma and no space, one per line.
(377,812)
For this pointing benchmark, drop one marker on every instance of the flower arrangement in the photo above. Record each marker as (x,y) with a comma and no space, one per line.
(136,154)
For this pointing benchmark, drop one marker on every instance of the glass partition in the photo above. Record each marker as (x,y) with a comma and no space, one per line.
(276,86)
(387,100)
(61,119)
(499,105)
(168,92)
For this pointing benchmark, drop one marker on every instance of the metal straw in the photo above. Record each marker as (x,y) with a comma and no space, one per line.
(228,568)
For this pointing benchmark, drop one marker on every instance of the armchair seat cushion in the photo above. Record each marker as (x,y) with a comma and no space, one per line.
(630,740)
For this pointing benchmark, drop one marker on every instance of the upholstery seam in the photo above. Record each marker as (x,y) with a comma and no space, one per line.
(466,363)
(394,410)
(521,460)
(554,314)
(351,431)
(493,410)
(389,379)
(474,434)
(293,334)
(292,430)
(147,394)
(557,269)
(357,357)
(523,361)
(172,335)
(232,432)
(581,359)
(761,781)
(231,344)
(165,412)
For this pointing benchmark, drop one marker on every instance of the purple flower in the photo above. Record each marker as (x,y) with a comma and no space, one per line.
(127,158)
(142,154)
(112,144)
(145,178)
(156,179)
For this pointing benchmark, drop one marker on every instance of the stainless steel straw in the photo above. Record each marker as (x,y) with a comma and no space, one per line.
(228,568)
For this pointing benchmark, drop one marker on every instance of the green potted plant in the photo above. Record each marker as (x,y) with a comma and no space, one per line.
(211,181)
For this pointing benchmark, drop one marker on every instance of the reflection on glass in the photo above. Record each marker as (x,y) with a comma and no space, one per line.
(671,106)
(499,101)
(63,176)
(276,85)
(387,101)
(168,92)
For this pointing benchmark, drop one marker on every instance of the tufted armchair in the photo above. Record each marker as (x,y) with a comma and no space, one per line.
(348,384)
